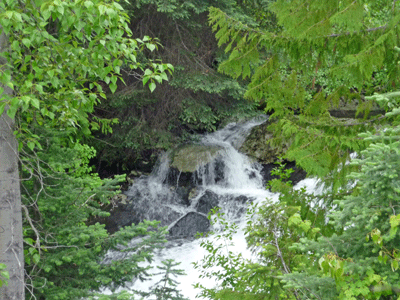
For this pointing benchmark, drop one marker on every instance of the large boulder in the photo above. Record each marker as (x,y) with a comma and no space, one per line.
(190,157)
(133,211)
(256,146)
(187,162)
(207,201)
(189,225)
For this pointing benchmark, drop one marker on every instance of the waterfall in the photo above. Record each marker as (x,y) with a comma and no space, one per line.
(224,177)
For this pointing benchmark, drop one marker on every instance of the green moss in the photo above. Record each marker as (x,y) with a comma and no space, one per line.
(257,146)
(189,158)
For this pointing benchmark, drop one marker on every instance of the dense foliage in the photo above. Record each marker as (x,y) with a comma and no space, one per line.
(303,70)
(59,57)
(344,243)
(300,59)
(196,99)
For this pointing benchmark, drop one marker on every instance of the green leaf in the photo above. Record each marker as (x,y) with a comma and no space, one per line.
(29,241)
(152,86)
(39,88)
(11,112)
(26,42)
(5,275)
(113,87)
(151,47)
(27,58)
(2,107)
(395,265)
(102,9)
(36,258)
(145,79)
(31,145)
(148,72)
(88,4)
(294,220)
(164,76)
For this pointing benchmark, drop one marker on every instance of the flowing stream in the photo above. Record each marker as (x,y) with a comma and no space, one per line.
(227,179)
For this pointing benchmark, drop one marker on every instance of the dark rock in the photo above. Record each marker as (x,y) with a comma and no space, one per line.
(212,172)
(179,178)
(132,213)
(189,225)
(183,193)
(235,206)
(219,170)
(242,199)
(256,145)
(206,202)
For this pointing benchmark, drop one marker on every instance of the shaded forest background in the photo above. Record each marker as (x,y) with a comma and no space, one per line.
(197,99)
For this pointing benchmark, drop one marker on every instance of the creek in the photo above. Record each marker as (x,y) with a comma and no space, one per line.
(183,187)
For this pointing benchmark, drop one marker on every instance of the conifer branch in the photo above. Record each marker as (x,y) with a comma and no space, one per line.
(343,124)
(355,32)
(247,28)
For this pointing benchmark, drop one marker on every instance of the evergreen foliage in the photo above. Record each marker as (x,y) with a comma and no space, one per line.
(65,243)
(351,42)
(366,266)
(165,288)
(322,55)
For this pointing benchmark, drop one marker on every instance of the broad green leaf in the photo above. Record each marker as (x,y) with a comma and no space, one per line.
(5,275)
(31,145)
(35,103)
(152,86)
(2,107)
(164,76)
(88,4)
(26,42)
(11,112)
(151,47)
(36,258)
(145,79)
(113,87)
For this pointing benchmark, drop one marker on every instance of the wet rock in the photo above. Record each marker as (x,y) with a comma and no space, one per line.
(235,206)
(206,202)
(134,213)
(243,199)
(190,157)
(189,225)
(177,178)
(256,146)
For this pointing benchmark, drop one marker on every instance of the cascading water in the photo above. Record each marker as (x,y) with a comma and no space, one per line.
(222,177)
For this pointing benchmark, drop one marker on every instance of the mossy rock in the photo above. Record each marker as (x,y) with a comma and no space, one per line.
(256,146)
(188,158)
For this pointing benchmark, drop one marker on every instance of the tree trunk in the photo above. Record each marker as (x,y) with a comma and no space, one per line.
(11,239)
